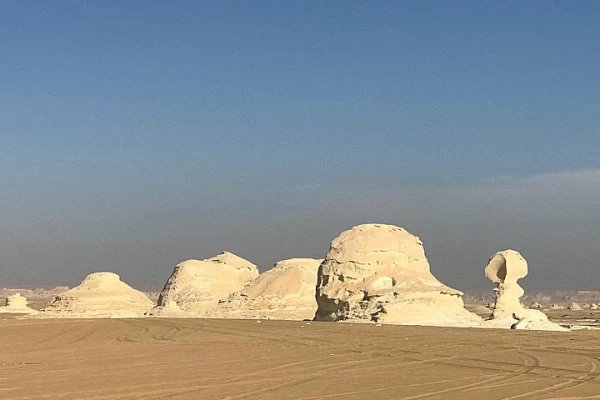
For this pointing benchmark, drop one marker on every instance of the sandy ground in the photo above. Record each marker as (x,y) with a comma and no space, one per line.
(228,359)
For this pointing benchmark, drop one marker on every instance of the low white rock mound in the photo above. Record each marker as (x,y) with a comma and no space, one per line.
(574,307)
(379,273)
(17,304)
(536,306)
(287,291)
(556,307)
(505,268)
(100,295)
(195,287)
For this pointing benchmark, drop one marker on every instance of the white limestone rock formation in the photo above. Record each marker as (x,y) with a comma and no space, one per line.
(574,307)
(100,295)
(505,268)
(195,287)
(536,306)
(593,306)
(379,273)
(556,307)
(287,291)
(17,304)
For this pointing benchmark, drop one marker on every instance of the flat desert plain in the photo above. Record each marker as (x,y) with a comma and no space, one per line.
(242,359)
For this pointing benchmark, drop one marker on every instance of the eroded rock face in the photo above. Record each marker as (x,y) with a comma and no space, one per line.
(195,287)
(536,306)
(100,295)
(505,268)
(17,304)
(287,291)
(379,273)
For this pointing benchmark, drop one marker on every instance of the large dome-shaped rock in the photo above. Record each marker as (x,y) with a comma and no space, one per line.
(379,273)
(285,292)
(17,304)
(195,287)
(505,268)
(100,295)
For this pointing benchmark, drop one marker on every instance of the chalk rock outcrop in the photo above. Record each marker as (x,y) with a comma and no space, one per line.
(195,287)
(574,307)
(379,273)
(536,306)
(556,307)
(17,304)
(100,295)
(505,268)
(287,291)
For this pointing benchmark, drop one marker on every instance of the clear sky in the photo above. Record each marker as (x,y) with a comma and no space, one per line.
(137,134)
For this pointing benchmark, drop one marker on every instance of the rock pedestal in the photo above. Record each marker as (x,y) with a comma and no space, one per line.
(505,268)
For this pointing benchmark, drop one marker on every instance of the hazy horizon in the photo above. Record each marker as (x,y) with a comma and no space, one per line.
(136,135)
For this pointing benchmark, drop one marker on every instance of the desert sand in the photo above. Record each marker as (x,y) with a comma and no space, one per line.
(127,359)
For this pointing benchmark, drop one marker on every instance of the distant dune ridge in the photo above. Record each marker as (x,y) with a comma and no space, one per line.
(100,295)
(287,291)
(379,273)
(195,287)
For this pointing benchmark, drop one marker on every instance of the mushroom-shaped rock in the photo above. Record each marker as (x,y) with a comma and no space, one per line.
(17,304)
(379,273)
(100,295)
(505,268)
(195,287)
(287,291)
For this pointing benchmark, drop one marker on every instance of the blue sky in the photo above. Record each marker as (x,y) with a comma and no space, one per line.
(138,134)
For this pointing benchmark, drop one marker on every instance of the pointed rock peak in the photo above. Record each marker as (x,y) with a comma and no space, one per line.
(231,259)
(101,281)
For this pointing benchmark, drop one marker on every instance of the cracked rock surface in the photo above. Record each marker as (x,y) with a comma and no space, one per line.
(100,295)
(195,286)
(287,291)
(379,273)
